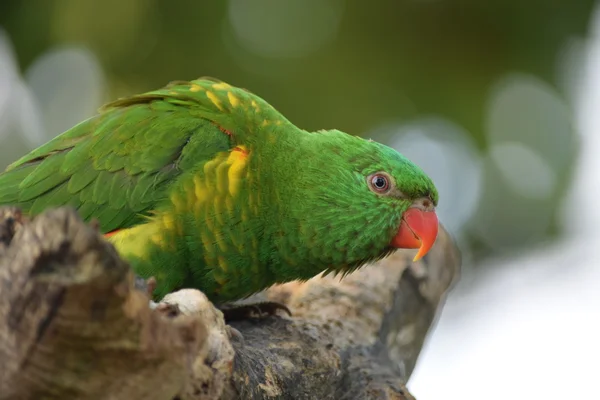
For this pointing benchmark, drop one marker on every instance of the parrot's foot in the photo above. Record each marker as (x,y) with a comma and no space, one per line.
(236,312)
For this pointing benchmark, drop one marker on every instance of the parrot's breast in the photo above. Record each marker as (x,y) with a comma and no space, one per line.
(209,225)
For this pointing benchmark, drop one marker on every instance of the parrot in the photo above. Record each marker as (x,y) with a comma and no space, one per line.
(204,185)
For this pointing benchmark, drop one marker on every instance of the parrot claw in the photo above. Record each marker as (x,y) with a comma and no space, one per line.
(235,312)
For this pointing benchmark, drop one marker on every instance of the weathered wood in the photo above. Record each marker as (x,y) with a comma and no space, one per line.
(73,326)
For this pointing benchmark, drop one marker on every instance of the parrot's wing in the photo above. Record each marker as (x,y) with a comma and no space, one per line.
(117,166)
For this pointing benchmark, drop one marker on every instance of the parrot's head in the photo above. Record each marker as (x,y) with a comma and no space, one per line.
(403,188)
(366,199)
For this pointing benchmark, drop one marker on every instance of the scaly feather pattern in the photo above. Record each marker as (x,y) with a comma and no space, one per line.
(205,185)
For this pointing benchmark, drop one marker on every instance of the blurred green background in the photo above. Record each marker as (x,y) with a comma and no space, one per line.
(486,96)
(477,93)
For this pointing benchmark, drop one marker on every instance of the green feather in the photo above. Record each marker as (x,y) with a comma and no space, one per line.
(118,189)
(85,209)
(60,196)
(82,178)
(45,177)
(9,184)
(208,186)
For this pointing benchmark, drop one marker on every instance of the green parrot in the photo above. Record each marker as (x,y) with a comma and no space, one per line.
(204,185)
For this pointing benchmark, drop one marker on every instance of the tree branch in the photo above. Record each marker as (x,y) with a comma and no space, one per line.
(72,325)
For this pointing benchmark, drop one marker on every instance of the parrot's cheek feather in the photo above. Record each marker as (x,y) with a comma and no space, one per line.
(418,230)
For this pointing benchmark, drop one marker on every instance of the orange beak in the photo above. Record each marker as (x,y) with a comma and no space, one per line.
(418,230)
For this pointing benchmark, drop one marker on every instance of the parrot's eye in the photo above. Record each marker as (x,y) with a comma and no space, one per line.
(379,183)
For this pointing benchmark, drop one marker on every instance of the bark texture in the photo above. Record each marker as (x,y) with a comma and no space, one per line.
(73,326)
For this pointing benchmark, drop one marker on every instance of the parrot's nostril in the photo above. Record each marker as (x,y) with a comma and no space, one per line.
(424,204)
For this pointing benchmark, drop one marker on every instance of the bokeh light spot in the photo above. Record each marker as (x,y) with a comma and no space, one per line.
(68,85)
(293,28)
(523,170)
